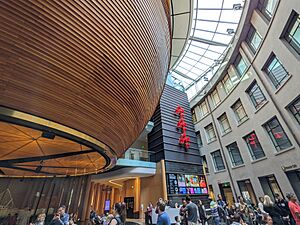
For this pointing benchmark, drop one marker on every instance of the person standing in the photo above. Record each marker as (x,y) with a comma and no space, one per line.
(163,217)
(202,212)
(117,215)
(273,210)
(294,207)
(284,206)
(149,213)
(182,213)
(223,211)
(214,212)
(192,211)
(244,211)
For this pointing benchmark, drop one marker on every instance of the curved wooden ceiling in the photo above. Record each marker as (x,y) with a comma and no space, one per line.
(26,151)
(95,66)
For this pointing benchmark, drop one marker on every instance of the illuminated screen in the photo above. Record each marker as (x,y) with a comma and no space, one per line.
(107,205)
(181,180)
(186,184)
(192,181)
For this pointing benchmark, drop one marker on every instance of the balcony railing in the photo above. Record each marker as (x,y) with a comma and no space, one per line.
(137,154)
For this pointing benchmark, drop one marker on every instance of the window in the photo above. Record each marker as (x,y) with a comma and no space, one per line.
(210,133)
(253,39)
(227,82)
(239,112)
(275,71)
(267,7)
(254,146)
(218,160)
(224,123)
(277,134)
(194,117)
(204,163)
(215,97)
(292,35)
(256,95)
(203,109)
(235,155)
(240,65)
(294,107)
(199,139)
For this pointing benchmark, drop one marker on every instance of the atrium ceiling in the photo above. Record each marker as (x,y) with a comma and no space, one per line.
(212,26)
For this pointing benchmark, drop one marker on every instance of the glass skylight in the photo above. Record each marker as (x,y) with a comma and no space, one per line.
(212,29)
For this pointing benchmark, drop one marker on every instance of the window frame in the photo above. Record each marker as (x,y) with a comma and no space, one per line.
(251,92)
(220,120)
(215,93)
(227,82)
(237,61)
(233,161)
(212,139)
(297,99)
(263,9)
(194,116)
(271,135)
(293,19)
(250,149)
(238,119)
(217,167)
(201,106)
(251,33)
(275,82)
(199,139)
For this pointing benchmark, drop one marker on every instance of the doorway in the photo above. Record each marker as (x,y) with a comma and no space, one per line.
(247,191)
(226,192)
(270,186)
(129,201)
(294,178)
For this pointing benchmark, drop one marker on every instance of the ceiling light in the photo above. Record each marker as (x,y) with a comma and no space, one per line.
(230,31)
(47,134)
(237,6)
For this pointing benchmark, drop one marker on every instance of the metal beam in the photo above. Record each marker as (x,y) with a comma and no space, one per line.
(183,75)
(29,170)
(209,42)
(8,162)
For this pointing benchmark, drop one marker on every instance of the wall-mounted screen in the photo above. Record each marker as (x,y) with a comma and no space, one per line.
(107,205)
(186,184)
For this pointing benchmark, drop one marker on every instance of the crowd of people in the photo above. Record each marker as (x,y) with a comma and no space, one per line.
(61,217)
(266,212)
(118,216)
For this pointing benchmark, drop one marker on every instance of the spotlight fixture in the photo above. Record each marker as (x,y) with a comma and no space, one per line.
(230,31)
(49,135)
(237,6)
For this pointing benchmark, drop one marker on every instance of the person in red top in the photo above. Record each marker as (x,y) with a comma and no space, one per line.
(294,207)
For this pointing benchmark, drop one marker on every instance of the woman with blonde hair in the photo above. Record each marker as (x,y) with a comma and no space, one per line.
(273,210)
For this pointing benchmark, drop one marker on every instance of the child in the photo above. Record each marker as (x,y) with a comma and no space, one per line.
(177,219)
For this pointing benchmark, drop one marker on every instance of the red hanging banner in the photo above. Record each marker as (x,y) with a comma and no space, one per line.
(184,140)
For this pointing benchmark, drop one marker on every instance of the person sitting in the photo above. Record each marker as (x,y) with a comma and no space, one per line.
(64,217)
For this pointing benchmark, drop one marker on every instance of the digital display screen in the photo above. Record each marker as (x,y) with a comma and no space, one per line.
(186,184)
(107,205)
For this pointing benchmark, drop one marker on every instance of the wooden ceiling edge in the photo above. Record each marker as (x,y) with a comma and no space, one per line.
(31,121)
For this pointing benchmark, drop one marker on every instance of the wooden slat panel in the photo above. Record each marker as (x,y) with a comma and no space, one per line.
(96,66)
